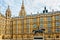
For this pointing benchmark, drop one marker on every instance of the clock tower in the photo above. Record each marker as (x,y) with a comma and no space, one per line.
(22,11)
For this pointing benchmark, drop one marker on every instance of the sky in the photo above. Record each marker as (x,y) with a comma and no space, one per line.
(31,6)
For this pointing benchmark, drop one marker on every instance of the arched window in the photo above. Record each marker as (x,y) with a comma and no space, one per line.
(49,25)
(49,19)
(57,17)
(41,22)
(57,29)
(34,20)
(27,20)
(41,19)
(49,30)
(57,23)
(41,25)
(34,26)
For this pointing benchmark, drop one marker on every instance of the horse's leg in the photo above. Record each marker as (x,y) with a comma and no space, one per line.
(35,32)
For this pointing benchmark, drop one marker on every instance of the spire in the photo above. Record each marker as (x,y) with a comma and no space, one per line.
(22,4)
(8,9)
(0,9)
(8,6)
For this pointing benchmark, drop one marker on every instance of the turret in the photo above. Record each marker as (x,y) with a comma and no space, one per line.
(8,12)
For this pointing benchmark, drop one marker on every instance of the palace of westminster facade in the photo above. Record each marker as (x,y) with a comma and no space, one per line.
(21,27)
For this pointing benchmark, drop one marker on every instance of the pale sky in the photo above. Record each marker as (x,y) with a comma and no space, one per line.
(33,6)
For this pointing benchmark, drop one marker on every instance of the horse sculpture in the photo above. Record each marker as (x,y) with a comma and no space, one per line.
(38,31)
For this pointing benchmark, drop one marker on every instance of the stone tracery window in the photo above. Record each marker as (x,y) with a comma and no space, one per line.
(57,23)
(57,17)
(34,26)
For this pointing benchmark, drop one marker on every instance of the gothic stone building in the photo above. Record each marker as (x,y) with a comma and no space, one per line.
(21,27)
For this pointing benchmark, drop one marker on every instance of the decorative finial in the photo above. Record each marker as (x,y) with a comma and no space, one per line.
(0,9)
(37,12)
(31,13)
(8,6)
(22,2)
(52,10)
